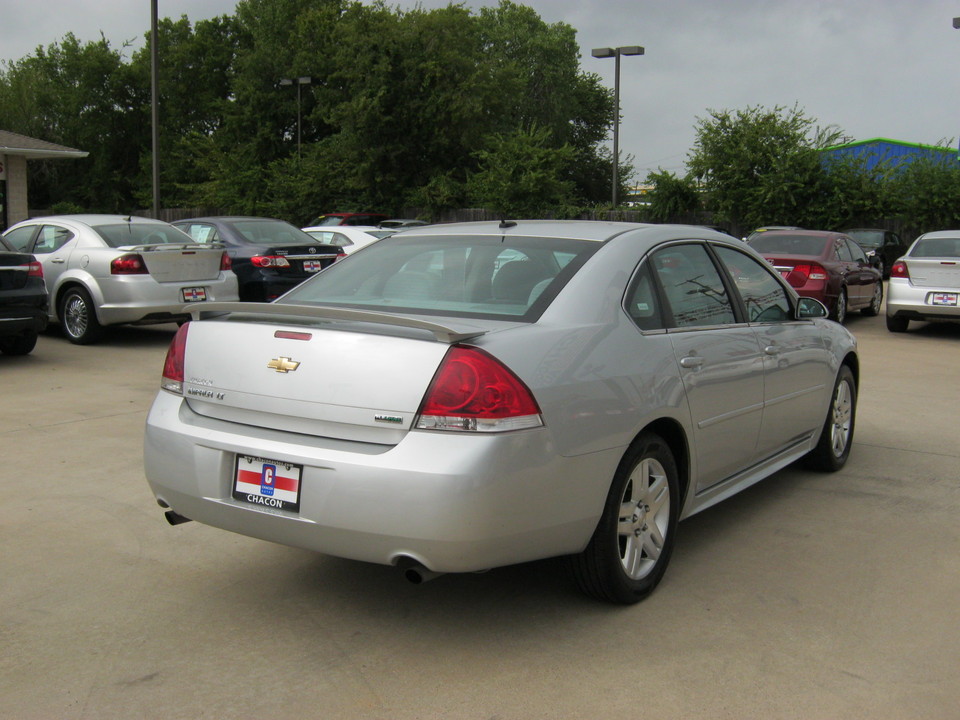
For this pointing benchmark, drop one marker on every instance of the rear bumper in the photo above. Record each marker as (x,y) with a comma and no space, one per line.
(140,298)
(916,303)
(453,502)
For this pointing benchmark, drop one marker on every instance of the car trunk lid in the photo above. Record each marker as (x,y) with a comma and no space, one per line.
(934,272)
(321,372)
(168,262)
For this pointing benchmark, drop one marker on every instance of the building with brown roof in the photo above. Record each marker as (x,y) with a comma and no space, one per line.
(15,150)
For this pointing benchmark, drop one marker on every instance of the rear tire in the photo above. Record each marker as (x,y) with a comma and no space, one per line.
(836,437)
(631,546)
(873,309)
(897,324)
(839,313)
(18,344)
(78,317)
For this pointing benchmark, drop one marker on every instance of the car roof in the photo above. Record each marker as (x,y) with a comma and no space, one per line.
(941,234)
(228,218)
(806,233)
(597,230)
(95,219)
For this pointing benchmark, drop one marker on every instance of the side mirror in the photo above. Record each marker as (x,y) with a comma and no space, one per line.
(810,308)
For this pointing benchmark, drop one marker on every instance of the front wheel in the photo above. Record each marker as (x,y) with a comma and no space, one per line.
(78,317)
(897,324)
(631,545)
(836,437)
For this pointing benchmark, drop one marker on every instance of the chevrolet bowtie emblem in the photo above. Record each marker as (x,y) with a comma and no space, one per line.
(283,364)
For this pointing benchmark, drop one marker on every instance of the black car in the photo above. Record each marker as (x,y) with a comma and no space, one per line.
(883,247)
(269,256)
(23,301)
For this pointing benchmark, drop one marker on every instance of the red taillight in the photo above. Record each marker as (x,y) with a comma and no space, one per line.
(172,379)
(225,263)
(266,261)
(129,264)
(34,269)
(473,391)
(899,270)
(800,274)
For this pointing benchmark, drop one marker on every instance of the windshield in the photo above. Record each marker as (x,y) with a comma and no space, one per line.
(936,248)
(480,276)
(123,234)
(867,238)
(270,232)
(782,244)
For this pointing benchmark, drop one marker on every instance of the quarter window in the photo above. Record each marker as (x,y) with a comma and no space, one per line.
(51,239)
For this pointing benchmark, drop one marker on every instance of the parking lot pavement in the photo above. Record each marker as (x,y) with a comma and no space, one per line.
(807,596)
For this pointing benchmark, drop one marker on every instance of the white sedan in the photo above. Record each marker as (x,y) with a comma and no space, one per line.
(349,238)
(925,283)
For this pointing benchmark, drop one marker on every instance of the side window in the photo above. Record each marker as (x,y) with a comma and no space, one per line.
(694,292)
(843,251)
(764,297)
(642,304)
(892,239)
(51,238)
(20,238)
(338,239)
(855,251)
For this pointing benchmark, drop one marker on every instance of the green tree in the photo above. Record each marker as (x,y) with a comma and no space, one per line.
(925,194)
(672,196)
(760,166)
(521,175)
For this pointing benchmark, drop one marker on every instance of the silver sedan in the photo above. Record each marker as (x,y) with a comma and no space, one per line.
(925,283)
(110,269)
(471,396)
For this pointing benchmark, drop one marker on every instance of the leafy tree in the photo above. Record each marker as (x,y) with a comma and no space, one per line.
(672,196)
(759,166)
(521,175)
(925,194)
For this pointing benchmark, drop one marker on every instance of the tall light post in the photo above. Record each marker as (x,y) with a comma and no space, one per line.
(300,82)
(616,53)
(155,106)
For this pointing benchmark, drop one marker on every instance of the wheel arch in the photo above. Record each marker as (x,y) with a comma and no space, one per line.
(675,436)
(68,284)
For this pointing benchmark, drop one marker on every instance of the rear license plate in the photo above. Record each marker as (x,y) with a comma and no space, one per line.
(943,299)
(193,294)
(312,266)
(268,483)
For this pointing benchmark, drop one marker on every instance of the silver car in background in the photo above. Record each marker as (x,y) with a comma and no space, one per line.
(925,283)
(469,396)
(113,269)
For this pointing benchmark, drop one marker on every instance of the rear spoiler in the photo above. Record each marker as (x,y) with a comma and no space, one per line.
(149,247)
(442,333)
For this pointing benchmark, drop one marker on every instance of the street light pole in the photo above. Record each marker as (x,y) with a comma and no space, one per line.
(616,53)
(155,106)
(301,81)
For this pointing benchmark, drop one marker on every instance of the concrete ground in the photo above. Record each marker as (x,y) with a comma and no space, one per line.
(807,596)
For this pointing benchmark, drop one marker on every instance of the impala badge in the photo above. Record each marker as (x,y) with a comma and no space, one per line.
(283,364)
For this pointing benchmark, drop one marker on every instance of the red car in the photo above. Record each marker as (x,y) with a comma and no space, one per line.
(364,218)
(828,266)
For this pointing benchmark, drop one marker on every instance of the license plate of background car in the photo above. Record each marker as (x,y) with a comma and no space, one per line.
(312,266)
(943,299)
(267,483)
(195,294)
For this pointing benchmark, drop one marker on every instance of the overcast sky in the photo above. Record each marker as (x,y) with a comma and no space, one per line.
(874,68)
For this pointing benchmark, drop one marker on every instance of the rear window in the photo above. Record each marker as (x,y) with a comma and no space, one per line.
(270,232)
(936,248)
(123,234)
(870,238)
(484,277)
(789,244)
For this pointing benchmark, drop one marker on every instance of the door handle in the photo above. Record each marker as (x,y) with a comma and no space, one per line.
(58,260)
(771,350)
(691,361)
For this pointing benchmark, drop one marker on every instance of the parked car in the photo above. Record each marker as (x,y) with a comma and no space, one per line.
(925,283)
(504,392)
(23,301)
(350,239)
(105,270)
(268,256)
(769,228)
(397,224)
(882,247)
(364,218)
(827,266)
